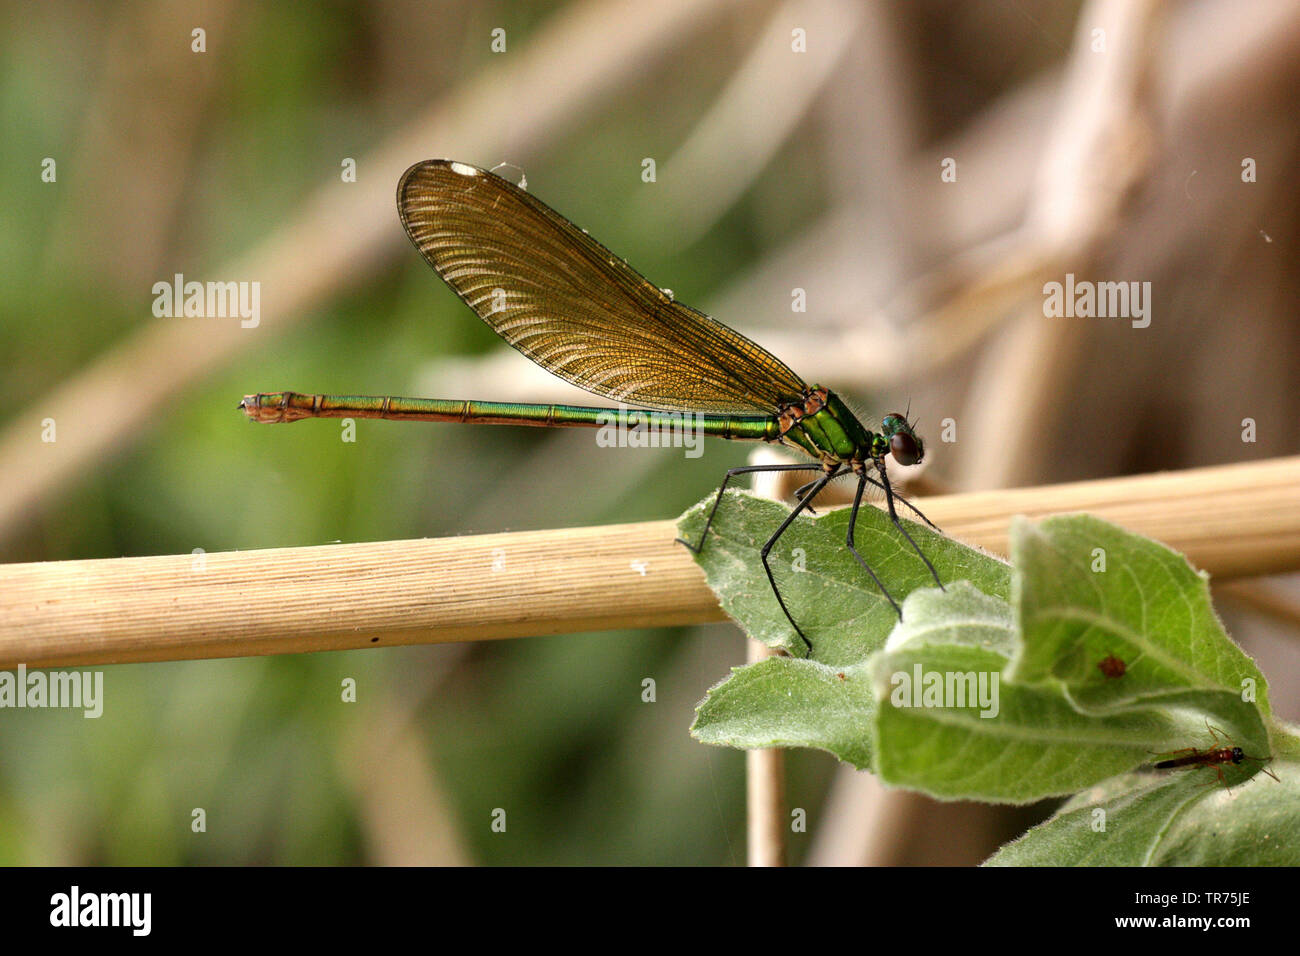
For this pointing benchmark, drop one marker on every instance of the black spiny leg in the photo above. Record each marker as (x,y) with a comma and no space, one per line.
(901,500)
(841,469)
(853,520)
(802,491)
(893,516)
(731,473)
(801,506)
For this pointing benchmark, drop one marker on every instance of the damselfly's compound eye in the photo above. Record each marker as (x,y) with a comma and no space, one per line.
(904,448)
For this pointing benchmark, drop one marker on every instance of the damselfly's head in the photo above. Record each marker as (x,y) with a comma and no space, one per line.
(904,444)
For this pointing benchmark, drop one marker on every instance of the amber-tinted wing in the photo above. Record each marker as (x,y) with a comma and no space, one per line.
(572,306)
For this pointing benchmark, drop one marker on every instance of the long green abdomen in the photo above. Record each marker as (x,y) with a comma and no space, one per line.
(295,406)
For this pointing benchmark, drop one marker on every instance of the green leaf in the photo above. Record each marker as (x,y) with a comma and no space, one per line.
(1178,818)
(947,723)
(974,696)
(806,702)
(782,702)
(834,600)
(1086,589)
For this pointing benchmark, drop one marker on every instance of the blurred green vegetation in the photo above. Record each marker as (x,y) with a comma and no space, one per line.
(552,729)
(170,161)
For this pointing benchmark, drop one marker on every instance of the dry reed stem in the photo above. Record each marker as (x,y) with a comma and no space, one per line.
(1233,520)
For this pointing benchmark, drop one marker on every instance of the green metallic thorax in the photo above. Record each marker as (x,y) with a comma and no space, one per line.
(830,433)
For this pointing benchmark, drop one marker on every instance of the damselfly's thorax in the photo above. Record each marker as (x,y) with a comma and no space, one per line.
(823,426)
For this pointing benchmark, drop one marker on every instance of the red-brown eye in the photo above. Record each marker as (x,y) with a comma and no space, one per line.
(903,447)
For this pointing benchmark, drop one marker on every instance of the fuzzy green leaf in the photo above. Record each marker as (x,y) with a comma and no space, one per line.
(1173,818)
(948,723)
(834,600)
(786,702)
(808,702)
(1087,591)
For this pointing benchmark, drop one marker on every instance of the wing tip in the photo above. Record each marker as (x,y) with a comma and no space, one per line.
(454,165)
(414,170)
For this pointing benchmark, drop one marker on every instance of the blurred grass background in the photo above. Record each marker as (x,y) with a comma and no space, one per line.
(174,161)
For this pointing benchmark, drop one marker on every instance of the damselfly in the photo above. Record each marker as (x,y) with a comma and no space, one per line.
(582,313)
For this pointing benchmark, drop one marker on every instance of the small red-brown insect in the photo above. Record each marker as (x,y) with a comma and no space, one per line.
(1215,757)
(1112,667)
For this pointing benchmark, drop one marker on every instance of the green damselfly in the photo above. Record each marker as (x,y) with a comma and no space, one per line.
(583,314)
